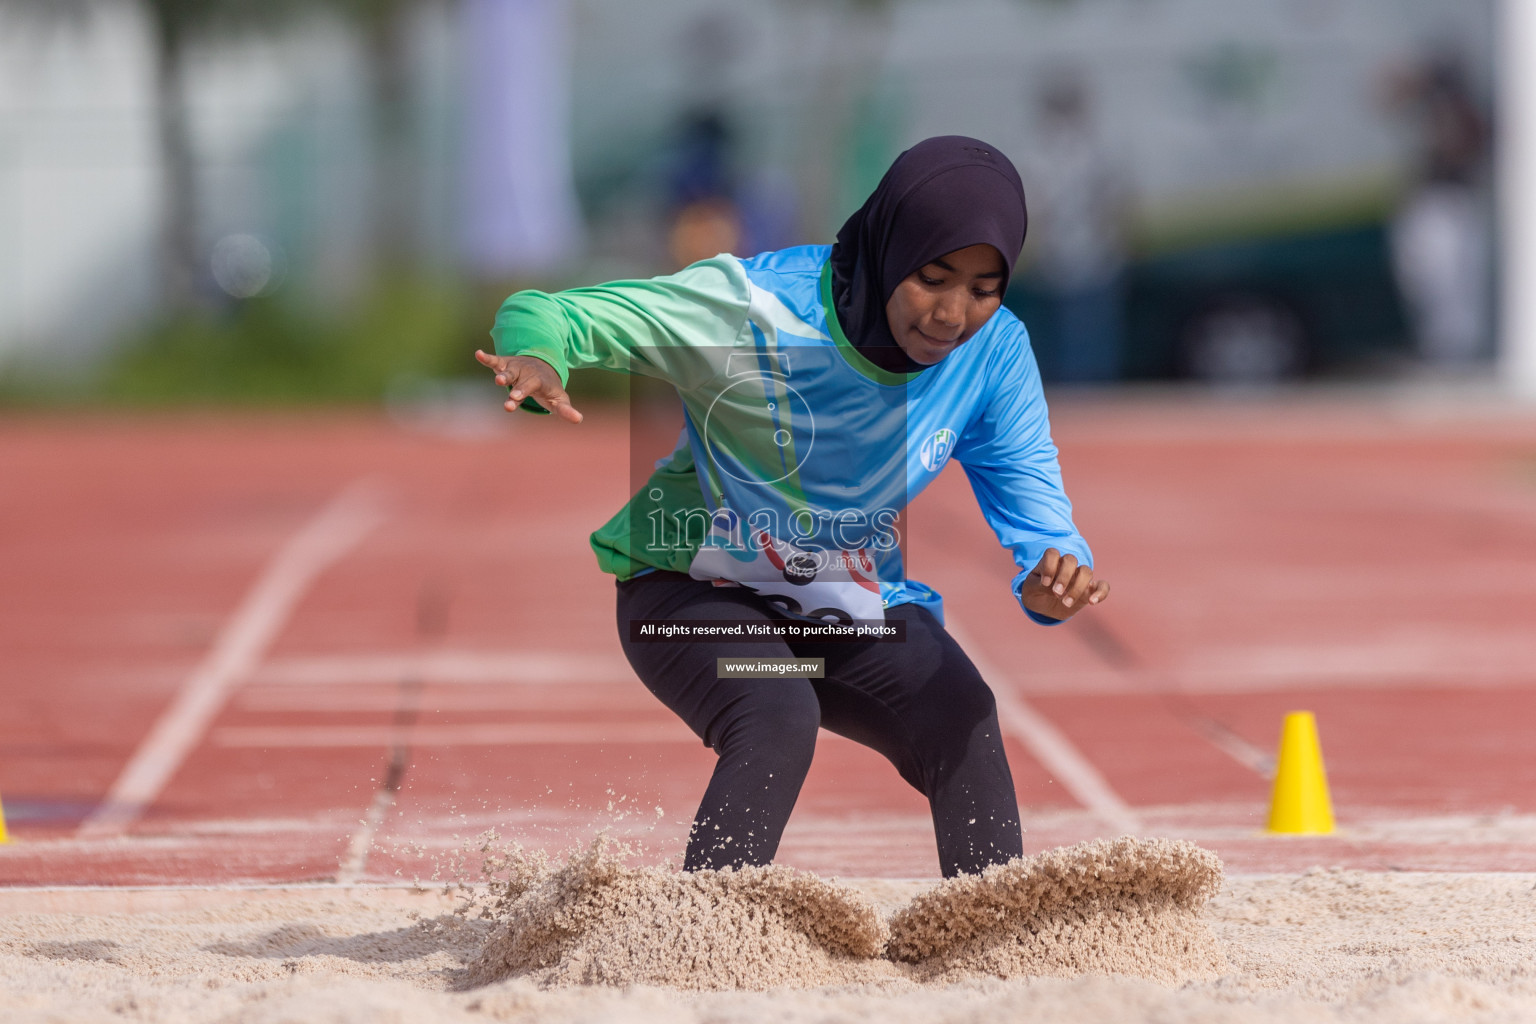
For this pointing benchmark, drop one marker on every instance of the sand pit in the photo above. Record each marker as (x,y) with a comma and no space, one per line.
(1327,945)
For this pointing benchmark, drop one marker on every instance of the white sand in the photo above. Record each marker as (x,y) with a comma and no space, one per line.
(1328,945)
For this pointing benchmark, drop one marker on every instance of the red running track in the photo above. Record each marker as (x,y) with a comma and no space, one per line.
(1369,558)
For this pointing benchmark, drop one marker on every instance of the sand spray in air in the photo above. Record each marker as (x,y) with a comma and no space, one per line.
(1126,906)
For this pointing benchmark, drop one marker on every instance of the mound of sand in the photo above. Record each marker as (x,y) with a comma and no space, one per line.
(1126,906)
(596,921)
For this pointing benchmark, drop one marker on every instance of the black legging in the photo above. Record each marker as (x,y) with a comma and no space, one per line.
(920,703)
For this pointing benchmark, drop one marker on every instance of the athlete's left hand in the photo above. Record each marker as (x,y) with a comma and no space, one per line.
(1060,588)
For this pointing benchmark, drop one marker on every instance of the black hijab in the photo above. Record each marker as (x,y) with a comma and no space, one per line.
(941,195)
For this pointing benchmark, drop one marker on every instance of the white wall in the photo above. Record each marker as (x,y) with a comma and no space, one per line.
(80,173)
(1517,189)
(77,177)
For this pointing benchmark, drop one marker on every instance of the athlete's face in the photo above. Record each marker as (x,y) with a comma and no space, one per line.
(942,304)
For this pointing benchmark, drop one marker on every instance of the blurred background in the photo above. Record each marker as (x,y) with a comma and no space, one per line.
(316,200)
(1262,251)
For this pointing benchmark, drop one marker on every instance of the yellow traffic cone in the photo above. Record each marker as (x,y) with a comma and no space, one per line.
(1300,803)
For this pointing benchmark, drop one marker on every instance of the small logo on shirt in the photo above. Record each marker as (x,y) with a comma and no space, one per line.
(935,451)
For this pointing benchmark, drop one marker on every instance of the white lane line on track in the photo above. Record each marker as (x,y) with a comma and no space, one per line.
(477,734)
(1237,824)
(1260,762)
(361,843)
(538,668)
(334,531)
(444,697)
(553,668)
(1050,747)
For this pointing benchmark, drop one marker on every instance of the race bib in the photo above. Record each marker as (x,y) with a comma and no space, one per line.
(821,585)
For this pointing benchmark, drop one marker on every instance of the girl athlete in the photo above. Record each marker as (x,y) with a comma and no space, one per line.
(823,388)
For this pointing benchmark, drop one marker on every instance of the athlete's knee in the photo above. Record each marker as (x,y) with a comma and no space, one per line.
(966,701)
(958,728)
(777,724)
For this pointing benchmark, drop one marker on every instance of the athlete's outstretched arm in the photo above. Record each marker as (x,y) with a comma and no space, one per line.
(530,377)
(675,328)
(1011,461)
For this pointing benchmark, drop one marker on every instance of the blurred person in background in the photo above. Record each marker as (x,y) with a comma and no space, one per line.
(1441,237)
(704,219)
(825,387)
(519,218)
(1079,253)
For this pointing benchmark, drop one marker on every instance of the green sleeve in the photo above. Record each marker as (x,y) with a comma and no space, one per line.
(676,328)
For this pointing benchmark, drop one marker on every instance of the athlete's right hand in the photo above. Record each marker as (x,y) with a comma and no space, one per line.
(528,377)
